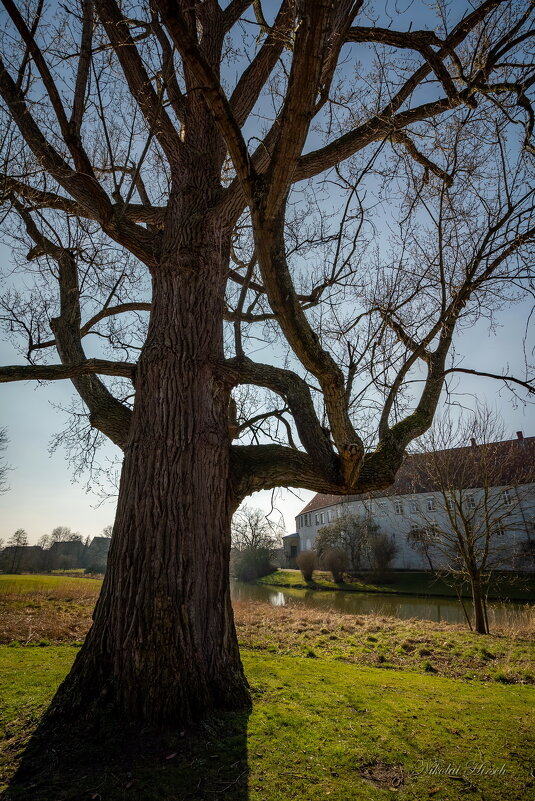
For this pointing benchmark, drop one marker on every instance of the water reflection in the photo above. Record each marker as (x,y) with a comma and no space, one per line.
(447,610)
(277,599)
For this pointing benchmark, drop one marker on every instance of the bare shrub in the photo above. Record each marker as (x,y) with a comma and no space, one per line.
(383,551)
(306,562)
(335,560)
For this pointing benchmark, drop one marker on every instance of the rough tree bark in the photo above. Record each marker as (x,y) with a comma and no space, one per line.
(163,646)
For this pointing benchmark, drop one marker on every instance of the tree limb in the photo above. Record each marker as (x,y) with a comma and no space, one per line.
(253,78)
(58,372)
(211,90)
(296,393)
(529,385)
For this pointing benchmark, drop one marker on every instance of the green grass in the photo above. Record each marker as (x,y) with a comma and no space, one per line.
(78,570)
(31,583)
(292,579)
(318,727)
(407,582)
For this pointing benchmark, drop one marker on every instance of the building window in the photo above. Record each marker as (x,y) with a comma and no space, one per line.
(317,519)
(322,517)
(293,551)
(398,507)
(500,531)
(507,500)
(382,507)
(330,515)
(413,506)
(471,502)
(430,504)
(449,502)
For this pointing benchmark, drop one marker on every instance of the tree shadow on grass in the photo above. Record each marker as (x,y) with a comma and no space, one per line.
(67,763)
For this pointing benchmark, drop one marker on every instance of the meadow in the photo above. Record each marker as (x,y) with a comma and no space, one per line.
(345,707)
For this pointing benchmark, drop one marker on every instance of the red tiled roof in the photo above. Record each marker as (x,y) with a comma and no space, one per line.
(513,462)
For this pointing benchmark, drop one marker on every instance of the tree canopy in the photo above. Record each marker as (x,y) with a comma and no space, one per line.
(370,184)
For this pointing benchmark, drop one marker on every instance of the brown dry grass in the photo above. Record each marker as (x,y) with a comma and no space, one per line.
(444,648)
(54,616)
(41,619)
(39,608)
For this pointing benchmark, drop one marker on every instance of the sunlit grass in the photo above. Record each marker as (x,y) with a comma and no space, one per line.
(320,729)
(52,586)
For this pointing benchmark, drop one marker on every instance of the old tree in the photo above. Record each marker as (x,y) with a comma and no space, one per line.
(191,184)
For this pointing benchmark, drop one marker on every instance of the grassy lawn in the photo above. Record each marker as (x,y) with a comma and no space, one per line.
(53,585)
(43,608)
(345,707)
(319,728)
(408,582)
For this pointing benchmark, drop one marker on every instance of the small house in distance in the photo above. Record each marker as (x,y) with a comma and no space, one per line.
(419,500)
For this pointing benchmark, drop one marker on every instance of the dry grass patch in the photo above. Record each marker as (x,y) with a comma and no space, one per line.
(443,648)
(36,609)
(41,610)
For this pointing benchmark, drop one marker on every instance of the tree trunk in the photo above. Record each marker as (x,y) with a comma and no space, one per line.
(480,622)
(163,648)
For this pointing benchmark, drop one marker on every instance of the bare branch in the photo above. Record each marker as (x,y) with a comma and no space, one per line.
(529,385)
(138,81)
(59,372)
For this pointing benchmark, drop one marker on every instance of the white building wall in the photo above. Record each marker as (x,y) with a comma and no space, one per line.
(397,515)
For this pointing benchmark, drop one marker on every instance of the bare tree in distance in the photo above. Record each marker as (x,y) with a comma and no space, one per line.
(252,529)
(236,184)
(360,538)
(352,534)
(336,561)
(4,467)
(64,534)
(306,561)
(478,493)
(255,542)
(18,542)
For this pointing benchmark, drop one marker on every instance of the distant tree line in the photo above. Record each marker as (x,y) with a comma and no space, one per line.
(256,544)
(62,549)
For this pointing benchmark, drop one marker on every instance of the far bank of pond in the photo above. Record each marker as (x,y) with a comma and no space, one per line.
(403,606)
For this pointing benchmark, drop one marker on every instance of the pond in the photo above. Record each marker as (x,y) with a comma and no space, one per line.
(447,610)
